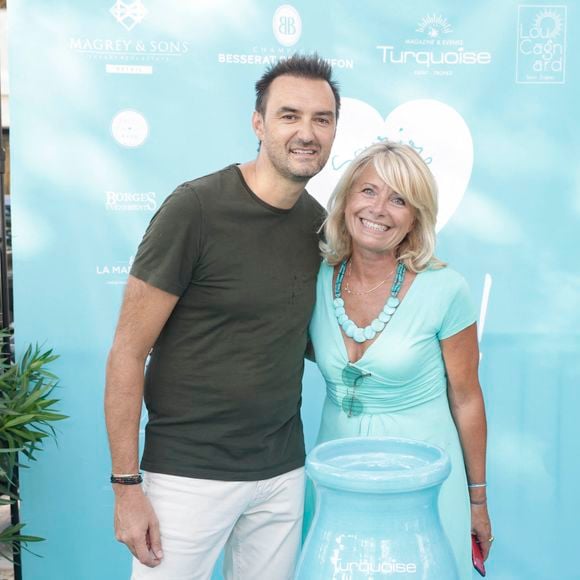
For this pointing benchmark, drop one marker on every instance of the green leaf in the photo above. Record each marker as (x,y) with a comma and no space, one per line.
(52,417)
(12,534)
(19,420)
(27,411)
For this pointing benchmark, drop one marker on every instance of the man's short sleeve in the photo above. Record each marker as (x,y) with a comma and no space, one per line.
(171,246)
(461,312)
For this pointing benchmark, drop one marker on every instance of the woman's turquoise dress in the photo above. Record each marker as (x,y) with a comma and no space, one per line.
(406,392)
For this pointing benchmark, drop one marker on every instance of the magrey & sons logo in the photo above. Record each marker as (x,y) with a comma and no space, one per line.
(434,51)
(541,50)
(128,48)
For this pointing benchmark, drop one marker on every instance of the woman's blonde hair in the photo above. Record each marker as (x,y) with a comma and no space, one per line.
(403,170)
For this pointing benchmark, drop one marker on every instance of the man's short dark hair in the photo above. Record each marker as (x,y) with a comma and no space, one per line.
(302,66)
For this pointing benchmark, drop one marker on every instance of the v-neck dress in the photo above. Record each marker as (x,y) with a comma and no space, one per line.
(406,392)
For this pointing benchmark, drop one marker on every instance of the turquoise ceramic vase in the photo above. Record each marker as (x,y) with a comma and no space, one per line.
(376,512)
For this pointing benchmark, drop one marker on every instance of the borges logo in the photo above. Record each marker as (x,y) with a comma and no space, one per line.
(129,14)
(129,201)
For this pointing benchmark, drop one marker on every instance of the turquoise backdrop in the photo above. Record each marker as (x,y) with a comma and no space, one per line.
(115,103)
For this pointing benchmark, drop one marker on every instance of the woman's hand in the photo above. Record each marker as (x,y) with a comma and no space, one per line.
(481,527)
(461,356)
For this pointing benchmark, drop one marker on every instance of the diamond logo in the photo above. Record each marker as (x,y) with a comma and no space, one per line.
(129,14)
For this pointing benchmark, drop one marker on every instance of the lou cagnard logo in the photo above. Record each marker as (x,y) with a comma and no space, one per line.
(541,50)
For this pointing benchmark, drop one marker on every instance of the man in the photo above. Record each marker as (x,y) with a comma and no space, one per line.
(221,290)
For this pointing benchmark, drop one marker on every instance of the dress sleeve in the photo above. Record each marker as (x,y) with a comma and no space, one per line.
(171,247)
(460,312)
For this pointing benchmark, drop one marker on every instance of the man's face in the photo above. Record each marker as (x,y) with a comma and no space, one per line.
(298,126)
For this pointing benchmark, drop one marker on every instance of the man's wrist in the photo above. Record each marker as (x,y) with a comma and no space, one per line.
(126,478)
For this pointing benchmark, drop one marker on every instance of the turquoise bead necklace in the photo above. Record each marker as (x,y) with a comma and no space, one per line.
(378,324)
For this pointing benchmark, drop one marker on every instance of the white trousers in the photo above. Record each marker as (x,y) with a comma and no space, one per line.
(259,524)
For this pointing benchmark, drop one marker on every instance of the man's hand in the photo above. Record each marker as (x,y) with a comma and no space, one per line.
(136,524)
(144,312)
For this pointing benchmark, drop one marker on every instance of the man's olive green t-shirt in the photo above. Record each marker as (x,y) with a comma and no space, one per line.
(223,383)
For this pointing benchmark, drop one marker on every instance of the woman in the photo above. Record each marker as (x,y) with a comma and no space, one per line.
(394,332)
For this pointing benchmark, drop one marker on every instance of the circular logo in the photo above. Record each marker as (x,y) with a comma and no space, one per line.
(130,128)
(287,25)
(548,23)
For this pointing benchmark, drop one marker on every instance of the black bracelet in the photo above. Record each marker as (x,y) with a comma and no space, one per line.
(132,479)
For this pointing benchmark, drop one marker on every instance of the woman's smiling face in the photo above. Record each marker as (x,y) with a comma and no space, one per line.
(377,217)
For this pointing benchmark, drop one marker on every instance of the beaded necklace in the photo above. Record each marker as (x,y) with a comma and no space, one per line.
(369,332)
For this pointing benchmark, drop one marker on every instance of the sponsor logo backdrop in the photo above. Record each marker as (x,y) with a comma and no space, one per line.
(115,103)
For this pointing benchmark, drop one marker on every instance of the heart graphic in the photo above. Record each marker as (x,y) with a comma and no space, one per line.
(435,130)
